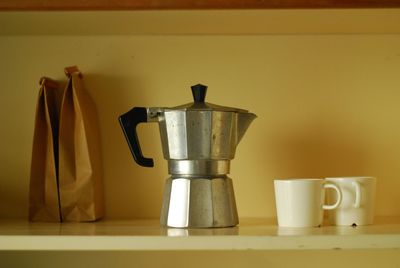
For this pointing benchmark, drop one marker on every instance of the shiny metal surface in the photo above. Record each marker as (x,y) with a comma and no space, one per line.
(198,167)
(199,145)
(243,123)
(206,106)
(175,140)
(199,203)
(200,134)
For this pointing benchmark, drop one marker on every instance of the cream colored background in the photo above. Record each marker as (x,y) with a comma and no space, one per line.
(327,105)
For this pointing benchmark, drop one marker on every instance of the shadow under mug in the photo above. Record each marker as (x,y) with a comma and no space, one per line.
(358,199)
(301,202)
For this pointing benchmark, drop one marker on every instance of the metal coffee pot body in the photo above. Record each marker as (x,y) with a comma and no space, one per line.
(198,139)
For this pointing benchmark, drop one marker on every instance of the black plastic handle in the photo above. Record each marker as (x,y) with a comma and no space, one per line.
(128,122)
(199,92)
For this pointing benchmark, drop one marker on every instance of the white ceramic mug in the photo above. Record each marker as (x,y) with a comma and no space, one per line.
(358,198)
(300,202)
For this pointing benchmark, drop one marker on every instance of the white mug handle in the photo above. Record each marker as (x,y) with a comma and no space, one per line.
(339,196)
(357,186)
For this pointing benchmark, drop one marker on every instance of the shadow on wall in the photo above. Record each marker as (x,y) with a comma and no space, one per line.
(318,150)
(131,191)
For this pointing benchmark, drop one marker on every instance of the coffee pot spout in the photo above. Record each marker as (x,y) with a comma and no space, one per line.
(243,123)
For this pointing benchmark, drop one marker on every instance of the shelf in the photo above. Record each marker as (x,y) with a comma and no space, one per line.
(254,234)
(309,21)
(189,4)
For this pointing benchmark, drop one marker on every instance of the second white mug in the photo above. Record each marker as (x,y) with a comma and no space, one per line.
(357,207)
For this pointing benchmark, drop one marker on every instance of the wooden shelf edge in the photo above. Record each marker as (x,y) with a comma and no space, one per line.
(27,5)
(151,243)
(202,22)
(147,235)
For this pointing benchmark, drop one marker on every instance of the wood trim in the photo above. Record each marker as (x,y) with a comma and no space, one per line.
(190,4)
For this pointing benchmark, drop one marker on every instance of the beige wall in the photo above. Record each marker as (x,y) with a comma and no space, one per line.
(327,105)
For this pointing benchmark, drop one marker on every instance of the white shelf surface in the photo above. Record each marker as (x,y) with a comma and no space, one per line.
(147,235)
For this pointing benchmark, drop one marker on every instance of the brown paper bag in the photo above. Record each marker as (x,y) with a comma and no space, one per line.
(80,168)
(44,202)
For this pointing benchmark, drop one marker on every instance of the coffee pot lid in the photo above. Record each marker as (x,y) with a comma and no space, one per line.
(199,92)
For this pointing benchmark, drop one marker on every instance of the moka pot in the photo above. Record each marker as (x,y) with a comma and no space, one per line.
(198,139)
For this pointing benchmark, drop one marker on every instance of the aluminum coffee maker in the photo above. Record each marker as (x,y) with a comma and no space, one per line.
(199,140)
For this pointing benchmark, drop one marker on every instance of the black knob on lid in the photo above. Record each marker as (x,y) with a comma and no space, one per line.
(199,92)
